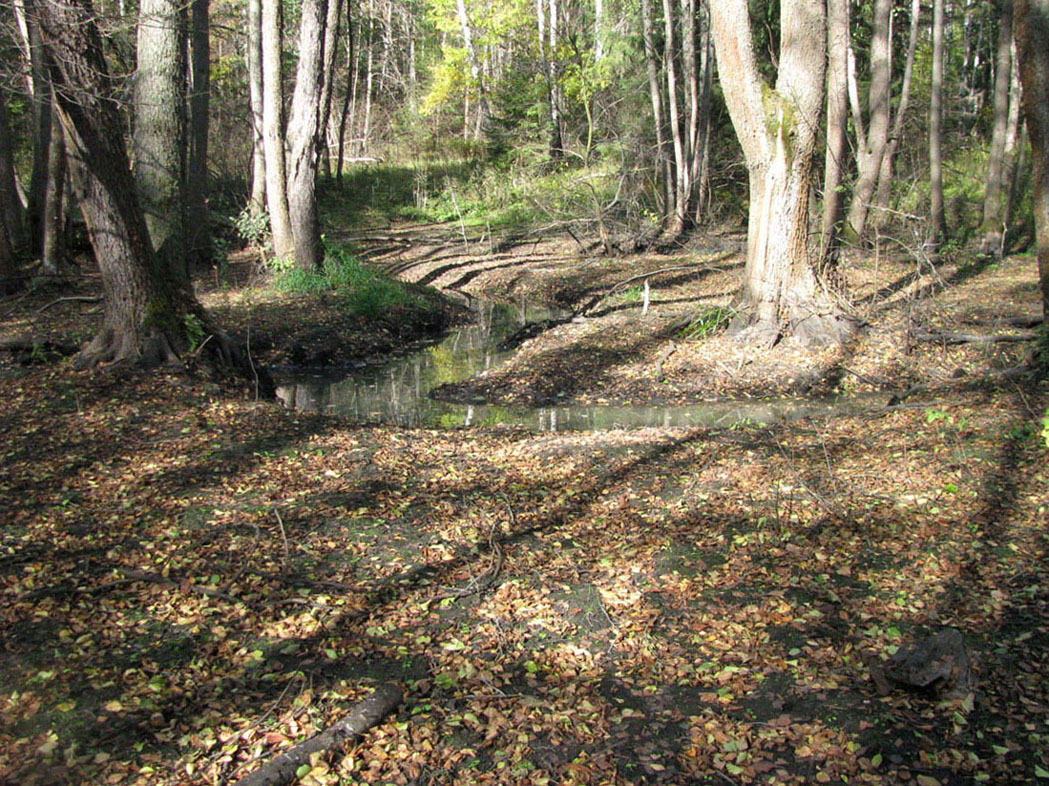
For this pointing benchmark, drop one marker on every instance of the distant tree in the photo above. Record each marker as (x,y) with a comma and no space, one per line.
(53,251)
(198,215)
(937,218)
(253,57)
(777,127)
(1032,40)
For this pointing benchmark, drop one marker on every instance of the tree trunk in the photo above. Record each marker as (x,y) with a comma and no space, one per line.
(145,307)
(257,201)
(40,97)
(777,130)
(1032,42)
(485,116)
(273,130)
(884,194)
(303,131)
(993,200)
(10,205)
(331,48)
(937,222)
(656,95)
(160,130)
(837,122)
(872,148)
(677,221)
(351,89)
(198,235)
(53,252)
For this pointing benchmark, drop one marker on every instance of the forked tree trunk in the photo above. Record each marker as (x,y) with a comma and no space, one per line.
(1032,42)
(160,130)
(872,147)
(777,130)
(882,198)
(145,309)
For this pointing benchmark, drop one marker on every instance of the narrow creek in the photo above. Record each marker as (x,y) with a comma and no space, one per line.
(396,392)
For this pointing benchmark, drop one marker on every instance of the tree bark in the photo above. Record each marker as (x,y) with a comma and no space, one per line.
(40,97)
(777,129)
(676,223)
(332,28)
(872,148)
(273,130)
(884,194)
(1032,42)
(656,96)
(993,201)
(304,130)
(160,130)
(485,116)
(937,221)
(837,122)
(253,56)
(52,255)
(146,310)
(198,234)
(10,205)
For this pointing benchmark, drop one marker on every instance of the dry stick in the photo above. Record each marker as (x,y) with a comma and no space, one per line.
(972,338)
(365,714)
(70,299)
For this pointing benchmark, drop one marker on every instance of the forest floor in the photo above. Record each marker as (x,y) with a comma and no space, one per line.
(191,580)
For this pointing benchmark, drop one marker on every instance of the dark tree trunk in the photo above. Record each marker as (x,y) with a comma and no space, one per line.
(10,205)
(42,131)
(146,310)
(837,122)
(198,217)
(1032,40)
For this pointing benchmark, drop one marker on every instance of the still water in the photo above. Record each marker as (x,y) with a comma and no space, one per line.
(396,392)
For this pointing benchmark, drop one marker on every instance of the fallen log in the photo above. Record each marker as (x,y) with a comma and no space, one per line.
(365,714)
(31,347)
(972,338)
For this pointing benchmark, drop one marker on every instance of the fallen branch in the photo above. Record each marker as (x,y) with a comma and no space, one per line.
(972,338)
(31,346)
(70,299)
(363,716)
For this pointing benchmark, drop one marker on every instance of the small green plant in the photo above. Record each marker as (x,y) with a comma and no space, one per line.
(1045,428)
(934,415)
(707,322)
(253,226)
(195,331)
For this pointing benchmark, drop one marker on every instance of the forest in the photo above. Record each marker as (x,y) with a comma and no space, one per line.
(499,392)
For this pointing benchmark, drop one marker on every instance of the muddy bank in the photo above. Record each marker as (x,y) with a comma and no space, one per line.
(617,353)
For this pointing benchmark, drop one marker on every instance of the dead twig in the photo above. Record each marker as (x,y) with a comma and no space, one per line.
(70,299)
(284,540)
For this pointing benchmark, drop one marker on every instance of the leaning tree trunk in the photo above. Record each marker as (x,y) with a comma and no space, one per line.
(303,132)
(160,130)
(1032,40)
(146,310)
(777,130)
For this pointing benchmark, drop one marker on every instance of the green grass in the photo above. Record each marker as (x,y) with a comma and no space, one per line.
(362,289)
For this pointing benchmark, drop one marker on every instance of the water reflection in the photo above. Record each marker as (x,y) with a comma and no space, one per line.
(396,392)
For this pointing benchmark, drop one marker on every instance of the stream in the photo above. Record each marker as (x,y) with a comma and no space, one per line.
(396,392)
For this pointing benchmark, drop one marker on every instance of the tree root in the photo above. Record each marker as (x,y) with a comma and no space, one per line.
(365,714)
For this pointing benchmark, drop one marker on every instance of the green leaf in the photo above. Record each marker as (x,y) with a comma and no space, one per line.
(303,771)
(1001,750)
(876,760)
(1040,772)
